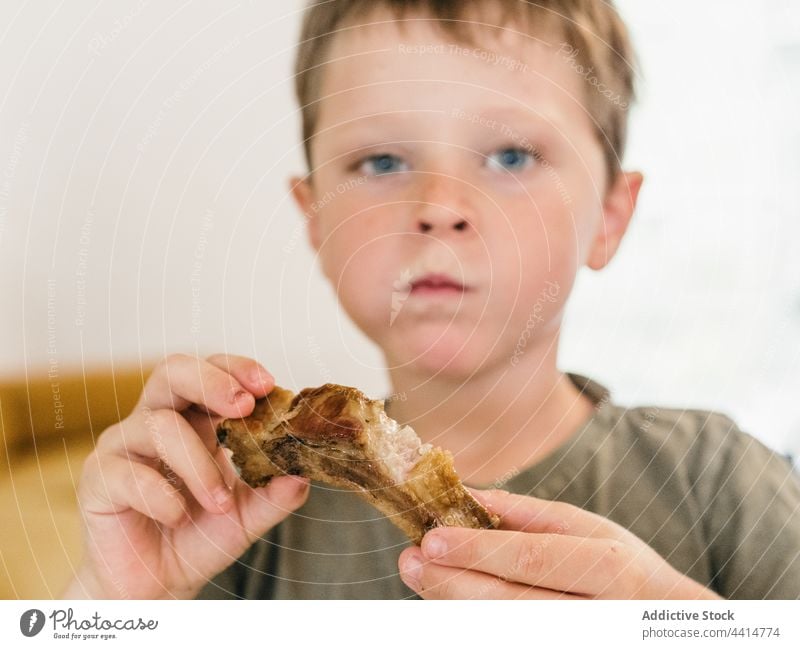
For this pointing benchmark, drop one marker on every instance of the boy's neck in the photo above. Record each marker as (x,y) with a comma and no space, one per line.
(500,420)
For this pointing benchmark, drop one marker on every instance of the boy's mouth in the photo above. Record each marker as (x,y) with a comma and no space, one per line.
(437,284)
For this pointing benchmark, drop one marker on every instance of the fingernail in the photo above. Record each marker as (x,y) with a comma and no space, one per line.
(412,572)
(222,496)
(299,484)
(240,396)
(434,546)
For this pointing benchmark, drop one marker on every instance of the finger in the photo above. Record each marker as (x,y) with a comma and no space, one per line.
(205,425)
(529,514)
(250,373)
(432,581)
(264,507)
(112,485)
(180,380)
(166,435)
(223,456)
(573,564)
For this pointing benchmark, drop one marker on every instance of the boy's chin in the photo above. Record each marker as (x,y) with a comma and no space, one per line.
(445,353)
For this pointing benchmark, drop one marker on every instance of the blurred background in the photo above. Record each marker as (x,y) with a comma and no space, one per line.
(144,155)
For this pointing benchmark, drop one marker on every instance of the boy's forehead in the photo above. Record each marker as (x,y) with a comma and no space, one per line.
(381,67)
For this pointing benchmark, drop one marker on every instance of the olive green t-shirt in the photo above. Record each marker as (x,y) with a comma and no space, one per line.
(713,501)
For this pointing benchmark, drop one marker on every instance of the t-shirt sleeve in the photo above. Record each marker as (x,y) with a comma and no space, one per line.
(752,517)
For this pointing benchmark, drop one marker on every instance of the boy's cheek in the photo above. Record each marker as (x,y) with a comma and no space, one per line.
(523,265)
(361,275)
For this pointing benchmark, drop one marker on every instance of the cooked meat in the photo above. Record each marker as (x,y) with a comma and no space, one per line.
(335,434)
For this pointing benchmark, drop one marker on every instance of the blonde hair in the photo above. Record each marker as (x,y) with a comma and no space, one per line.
(595,42)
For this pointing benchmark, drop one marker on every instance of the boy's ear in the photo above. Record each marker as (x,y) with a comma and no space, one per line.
(303,194)
(618,207)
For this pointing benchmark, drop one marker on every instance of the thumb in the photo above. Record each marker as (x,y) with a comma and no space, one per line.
(528,514)
(264,507)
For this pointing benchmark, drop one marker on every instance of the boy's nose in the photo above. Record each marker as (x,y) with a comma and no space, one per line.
(441,207)
(457,223)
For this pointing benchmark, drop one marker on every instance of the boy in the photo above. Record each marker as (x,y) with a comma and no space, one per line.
(464,164)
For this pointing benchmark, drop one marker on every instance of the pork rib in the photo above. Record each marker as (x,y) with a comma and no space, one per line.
(335,434)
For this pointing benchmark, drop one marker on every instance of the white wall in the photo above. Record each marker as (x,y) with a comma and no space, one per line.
(143,206)
(702,307)
(153,145)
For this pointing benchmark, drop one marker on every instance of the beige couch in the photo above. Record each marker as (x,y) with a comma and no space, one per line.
(49,425)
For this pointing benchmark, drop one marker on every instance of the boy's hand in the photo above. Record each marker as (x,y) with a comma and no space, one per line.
(154,526)
(544,550)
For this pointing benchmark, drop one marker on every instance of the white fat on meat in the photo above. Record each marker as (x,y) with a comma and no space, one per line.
(398,447)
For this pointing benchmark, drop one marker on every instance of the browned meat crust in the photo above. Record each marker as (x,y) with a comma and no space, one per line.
(335,434)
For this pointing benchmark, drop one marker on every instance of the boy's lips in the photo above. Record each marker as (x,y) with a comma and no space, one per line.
(437,284)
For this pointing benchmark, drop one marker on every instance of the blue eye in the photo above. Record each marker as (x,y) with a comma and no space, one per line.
(512,159)
(382,164)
